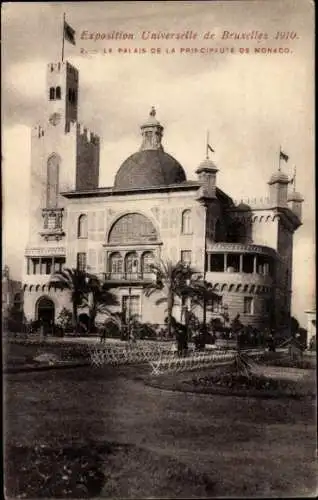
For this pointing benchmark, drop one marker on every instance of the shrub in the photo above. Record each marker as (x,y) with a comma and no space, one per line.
(64,320)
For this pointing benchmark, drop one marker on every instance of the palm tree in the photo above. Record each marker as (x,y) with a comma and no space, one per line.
(98,299)
(201,293)
(172,279)
(76,282)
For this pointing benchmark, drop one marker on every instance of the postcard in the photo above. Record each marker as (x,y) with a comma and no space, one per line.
(158,291)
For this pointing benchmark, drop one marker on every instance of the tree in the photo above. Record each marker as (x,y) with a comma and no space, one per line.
(173,280)
(77,282)
(201,293)
(98,299)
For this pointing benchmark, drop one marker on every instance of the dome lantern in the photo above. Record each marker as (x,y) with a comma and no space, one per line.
(151,132)
(151,166)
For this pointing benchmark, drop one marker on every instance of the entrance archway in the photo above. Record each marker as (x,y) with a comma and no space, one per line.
(45,311)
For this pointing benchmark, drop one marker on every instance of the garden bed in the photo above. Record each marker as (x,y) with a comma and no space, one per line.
(24,356)
(227,380)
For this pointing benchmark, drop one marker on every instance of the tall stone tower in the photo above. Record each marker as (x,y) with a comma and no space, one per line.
(64,157)
(64,154)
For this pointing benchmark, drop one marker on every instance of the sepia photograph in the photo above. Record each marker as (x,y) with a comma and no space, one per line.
(158,249)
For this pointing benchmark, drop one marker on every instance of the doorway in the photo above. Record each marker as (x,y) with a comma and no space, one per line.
(46,313)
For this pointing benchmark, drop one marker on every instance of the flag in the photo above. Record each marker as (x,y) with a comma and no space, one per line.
(210,148)
(69,33)
(283,156)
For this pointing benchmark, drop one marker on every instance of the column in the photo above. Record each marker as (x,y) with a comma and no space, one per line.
(255,264)
(225,262)
(241,263)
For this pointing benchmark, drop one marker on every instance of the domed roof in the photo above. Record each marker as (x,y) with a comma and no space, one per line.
(147,168)
(206,164)
(150,166)
(279,177)
(295,196)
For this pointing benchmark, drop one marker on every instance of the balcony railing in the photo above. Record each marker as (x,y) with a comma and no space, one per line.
(130,277)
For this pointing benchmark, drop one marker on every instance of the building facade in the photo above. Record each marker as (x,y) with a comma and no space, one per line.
(12,296)
(151,212)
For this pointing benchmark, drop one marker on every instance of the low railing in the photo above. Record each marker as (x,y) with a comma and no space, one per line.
(160,357)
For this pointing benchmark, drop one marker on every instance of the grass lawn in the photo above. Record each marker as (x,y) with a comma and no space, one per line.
(102,432)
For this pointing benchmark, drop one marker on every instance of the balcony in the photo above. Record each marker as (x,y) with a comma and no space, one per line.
(129,278)
(52,224)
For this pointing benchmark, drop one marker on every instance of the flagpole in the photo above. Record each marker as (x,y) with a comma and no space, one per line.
(279,158)
(63,36)
(294,178)
(207,145)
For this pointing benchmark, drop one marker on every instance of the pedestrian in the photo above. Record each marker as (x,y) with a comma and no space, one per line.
(103,334)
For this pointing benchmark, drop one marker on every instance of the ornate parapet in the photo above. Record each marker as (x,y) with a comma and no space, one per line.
(46,251)
(241,248)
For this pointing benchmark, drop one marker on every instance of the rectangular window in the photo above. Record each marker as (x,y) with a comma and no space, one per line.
(58,264)
(217,262)
(248,263)
(81,261)
(186,257)
(131,306)
(233,263)
(248,305)
(35,266)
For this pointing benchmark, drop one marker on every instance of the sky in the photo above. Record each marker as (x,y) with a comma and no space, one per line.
(251,103)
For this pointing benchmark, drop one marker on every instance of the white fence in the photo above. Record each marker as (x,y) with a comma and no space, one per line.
(162,358)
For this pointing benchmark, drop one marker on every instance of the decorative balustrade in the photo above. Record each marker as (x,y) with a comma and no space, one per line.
(130,277)
(264,201)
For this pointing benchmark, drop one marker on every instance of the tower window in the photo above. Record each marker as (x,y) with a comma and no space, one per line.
(52,93)
(186,222)
(58,92)
(52,181)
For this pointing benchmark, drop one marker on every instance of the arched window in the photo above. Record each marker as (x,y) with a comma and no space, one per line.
(115,263)
(52,93)
(82,226)
(146,262)
(186,222)
(53,165)
(131,263)
(58,93)
(132,228)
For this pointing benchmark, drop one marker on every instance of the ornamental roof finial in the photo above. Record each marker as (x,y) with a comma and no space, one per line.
(152,111)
